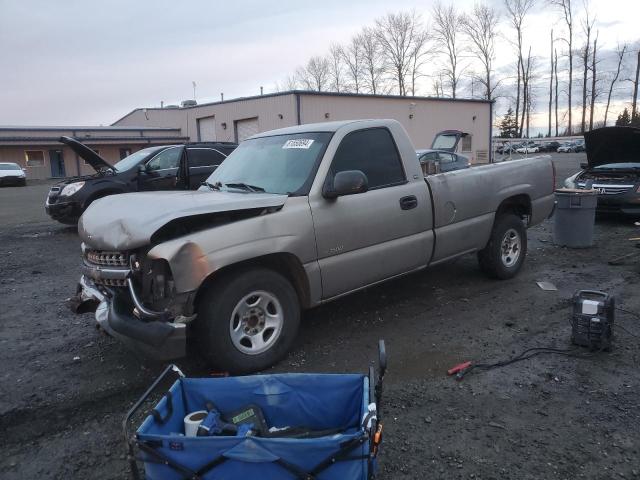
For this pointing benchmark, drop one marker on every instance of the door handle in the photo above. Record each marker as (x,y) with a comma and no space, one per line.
(409,202)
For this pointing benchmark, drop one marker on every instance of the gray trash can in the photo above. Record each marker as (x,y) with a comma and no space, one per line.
(574,217)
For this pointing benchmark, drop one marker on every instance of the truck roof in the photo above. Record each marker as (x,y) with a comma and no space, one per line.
(326,126)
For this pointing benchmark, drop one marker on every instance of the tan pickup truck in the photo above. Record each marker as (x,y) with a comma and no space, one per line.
(294,218)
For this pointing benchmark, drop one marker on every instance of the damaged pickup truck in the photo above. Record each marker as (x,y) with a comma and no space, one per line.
(292,219)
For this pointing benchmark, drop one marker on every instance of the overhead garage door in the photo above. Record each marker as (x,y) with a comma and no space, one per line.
(246,128)
(207,129)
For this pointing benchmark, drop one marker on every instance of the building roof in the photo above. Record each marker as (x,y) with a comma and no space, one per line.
(60,128)
(310,92)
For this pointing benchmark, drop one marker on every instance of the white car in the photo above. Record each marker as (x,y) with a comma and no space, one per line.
(12,174)
(529,149)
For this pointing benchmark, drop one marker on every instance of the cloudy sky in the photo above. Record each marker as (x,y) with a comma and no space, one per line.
(88,62)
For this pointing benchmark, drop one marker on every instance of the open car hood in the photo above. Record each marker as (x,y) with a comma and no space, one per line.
(98,163)
(443,140)
(129,220)
(612,145)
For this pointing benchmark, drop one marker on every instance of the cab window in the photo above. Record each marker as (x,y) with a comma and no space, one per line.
(169,158)
(373,152)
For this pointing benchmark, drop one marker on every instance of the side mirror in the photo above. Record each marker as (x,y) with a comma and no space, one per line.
(584,165)
(142,168)
(348,182)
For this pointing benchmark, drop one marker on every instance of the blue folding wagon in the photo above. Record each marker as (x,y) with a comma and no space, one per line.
(336,418)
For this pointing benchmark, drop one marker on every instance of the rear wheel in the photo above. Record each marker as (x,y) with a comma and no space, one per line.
(504,255)
(247,320)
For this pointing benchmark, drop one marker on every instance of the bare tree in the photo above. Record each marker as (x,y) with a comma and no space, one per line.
(352,57)
(336,67)
(517,11)
(620,51)
(526,93)
(396,34)
(567,13)
(446,27)
(372,61)
(634,102)
(587,26)
(550,86)
(481,29)
(418,54)
(315,74)
(555,74)
(594,92)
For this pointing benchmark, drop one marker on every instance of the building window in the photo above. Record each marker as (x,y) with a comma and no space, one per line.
(34,158)
(466,143)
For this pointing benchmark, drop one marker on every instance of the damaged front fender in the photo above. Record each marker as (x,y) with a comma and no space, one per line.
(189,264)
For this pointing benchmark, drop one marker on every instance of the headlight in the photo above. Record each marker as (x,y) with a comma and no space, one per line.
(71,189)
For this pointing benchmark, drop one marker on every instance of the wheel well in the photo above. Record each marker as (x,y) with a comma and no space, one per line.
(518,204)
(285,264)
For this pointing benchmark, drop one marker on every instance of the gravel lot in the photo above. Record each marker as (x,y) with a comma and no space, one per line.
(548,417)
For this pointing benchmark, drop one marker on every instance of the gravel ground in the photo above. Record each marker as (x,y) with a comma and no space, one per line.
(64,386)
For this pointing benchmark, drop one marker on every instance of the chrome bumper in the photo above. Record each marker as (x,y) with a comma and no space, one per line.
(116,315)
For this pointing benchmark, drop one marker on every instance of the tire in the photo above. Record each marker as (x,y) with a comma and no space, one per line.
(502,264)
(240,335)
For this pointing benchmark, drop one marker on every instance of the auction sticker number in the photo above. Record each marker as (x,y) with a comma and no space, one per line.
(304,143)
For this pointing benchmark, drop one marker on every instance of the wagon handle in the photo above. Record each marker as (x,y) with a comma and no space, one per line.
(382,368)
(125,423)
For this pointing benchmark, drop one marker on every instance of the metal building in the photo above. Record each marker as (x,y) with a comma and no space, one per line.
(237,119)
(39,152)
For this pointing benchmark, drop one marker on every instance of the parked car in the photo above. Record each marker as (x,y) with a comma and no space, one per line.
(294,218)
(441,157)
(528,149)
(166,167)
(568,147)
(612,168)
(438,161)
(549,146)
(507,148)
(12,174)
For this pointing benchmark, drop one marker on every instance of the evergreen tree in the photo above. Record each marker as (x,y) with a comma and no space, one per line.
(624,119)
(509,125)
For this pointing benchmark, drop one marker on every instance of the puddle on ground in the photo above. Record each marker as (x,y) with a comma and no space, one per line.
(426,364)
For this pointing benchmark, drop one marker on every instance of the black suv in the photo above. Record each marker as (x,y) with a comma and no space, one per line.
(167,167)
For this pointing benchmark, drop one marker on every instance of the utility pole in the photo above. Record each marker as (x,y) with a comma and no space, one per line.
(194,89)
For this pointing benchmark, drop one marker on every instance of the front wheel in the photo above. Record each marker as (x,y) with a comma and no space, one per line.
(247,320)
(504,255)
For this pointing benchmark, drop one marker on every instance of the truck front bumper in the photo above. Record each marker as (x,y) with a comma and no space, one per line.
(115,313)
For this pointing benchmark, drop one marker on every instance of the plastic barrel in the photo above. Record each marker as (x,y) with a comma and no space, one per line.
(574,217)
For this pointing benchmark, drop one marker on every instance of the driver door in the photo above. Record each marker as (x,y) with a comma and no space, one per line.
(161,172)
(367,237)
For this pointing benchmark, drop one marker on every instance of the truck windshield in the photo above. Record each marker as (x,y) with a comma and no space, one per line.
(135,158)
(277,164)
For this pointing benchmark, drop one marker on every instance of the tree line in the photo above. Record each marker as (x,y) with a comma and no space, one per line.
(445,52)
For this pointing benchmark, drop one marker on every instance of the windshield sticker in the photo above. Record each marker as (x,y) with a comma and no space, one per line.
(304,143)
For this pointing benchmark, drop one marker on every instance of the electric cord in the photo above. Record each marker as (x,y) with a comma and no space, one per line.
(633,314)
(525,355)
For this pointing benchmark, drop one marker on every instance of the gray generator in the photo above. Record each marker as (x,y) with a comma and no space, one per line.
(592,323)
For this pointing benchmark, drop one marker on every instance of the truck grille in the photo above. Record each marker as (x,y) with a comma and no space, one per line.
(108,259)
(604,189)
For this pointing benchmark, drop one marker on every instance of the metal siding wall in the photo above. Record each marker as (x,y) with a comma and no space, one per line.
(267,110)
(429,116)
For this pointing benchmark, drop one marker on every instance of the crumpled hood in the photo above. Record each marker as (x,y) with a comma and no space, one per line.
(612,145)
(127,221)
